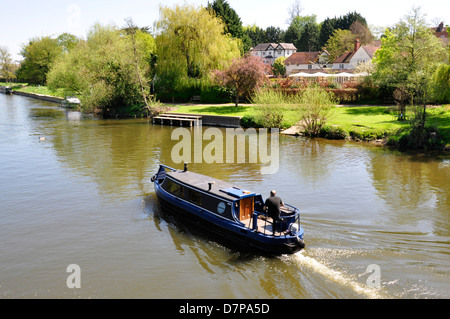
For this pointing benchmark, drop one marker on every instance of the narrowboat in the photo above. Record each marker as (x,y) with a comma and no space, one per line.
(234,214)
(71,102)
(6,89)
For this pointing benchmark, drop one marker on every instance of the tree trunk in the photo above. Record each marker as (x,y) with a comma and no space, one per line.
(424,116)
(136,62)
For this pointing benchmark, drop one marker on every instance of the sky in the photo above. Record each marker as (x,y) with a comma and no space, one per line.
(22,20)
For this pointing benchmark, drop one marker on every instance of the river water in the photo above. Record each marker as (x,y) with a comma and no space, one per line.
(75,189)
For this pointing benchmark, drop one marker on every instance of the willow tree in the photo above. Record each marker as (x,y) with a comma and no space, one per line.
(191,42)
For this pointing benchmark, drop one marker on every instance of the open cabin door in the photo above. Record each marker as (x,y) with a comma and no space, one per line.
(246,206)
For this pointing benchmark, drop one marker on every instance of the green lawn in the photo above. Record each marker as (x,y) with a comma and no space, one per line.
(440,118)
(370,122)
(224,110)
(41,89)
(291,115)
(360,119)
(350,118)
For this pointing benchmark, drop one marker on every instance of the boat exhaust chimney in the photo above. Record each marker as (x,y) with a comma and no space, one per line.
(185,167)
(210,185)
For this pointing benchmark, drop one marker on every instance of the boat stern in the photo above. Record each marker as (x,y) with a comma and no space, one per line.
(298,231)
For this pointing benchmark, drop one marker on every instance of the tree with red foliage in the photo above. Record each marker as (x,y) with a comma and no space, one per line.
(244,75)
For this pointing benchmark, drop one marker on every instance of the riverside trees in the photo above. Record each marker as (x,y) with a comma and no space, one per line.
(7,66)
(244,75)
(190,43)
(409,57)
(39,55)
(114,69)
(104,71)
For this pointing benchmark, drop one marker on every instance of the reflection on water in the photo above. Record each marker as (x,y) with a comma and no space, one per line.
(419,186)
(83,195)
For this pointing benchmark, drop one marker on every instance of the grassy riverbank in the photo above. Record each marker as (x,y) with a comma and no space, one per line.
(41,89)
(366,123)
(38,89)
(290,113)
(13,85)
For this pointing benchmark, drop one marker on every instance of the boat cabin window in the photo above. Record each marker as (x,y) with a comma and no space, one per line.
(194,197)
(207,201)
(174,188)
(178,190)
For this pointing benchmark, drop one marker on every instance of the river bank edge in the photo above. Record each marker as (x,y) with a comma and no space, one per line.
(392,139)
(378,142)
(294,130)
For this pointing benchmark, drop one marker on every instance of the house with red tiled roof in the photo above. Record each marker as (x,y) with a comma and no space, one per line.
(306,62)
(272,51)
(360,55)
(441,32)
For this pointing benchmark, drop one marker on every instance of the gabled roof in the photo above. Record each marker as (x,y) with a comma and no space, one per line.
(264,46)
(347,56)
(287,46)
(298,58)
(375,43)
(370,50)
(278,46)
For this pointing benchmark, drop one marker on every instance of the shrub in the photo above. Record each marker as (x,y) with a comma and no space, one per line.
(345,95)
(427,138)
(269,107)
(367,135)
(441,84)
(216,94)
(270,116)
(249,121)
(316,105)
(273,97)
(333,132)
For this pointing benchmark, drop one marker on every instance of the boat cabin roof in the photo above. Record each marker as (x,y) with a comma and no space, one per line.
(218,188)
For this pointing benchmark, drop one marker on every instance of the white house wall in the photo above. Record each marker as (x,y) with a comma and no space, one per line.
(343,66)
(273,53)
(360,57)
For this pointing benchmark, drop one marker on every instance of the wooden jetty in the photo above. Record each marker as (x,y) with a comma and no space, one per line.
(188,119)
(178,119)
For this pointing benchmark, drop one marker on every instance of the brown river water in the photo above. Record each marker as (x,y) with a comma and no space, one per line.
(76,190)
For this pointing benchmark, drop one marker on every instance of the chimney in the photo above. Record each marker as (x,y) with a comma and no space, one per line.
(357,45)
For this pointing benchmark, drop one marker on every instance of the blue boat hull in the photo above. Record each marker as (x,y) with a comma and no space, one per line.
(227,231)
